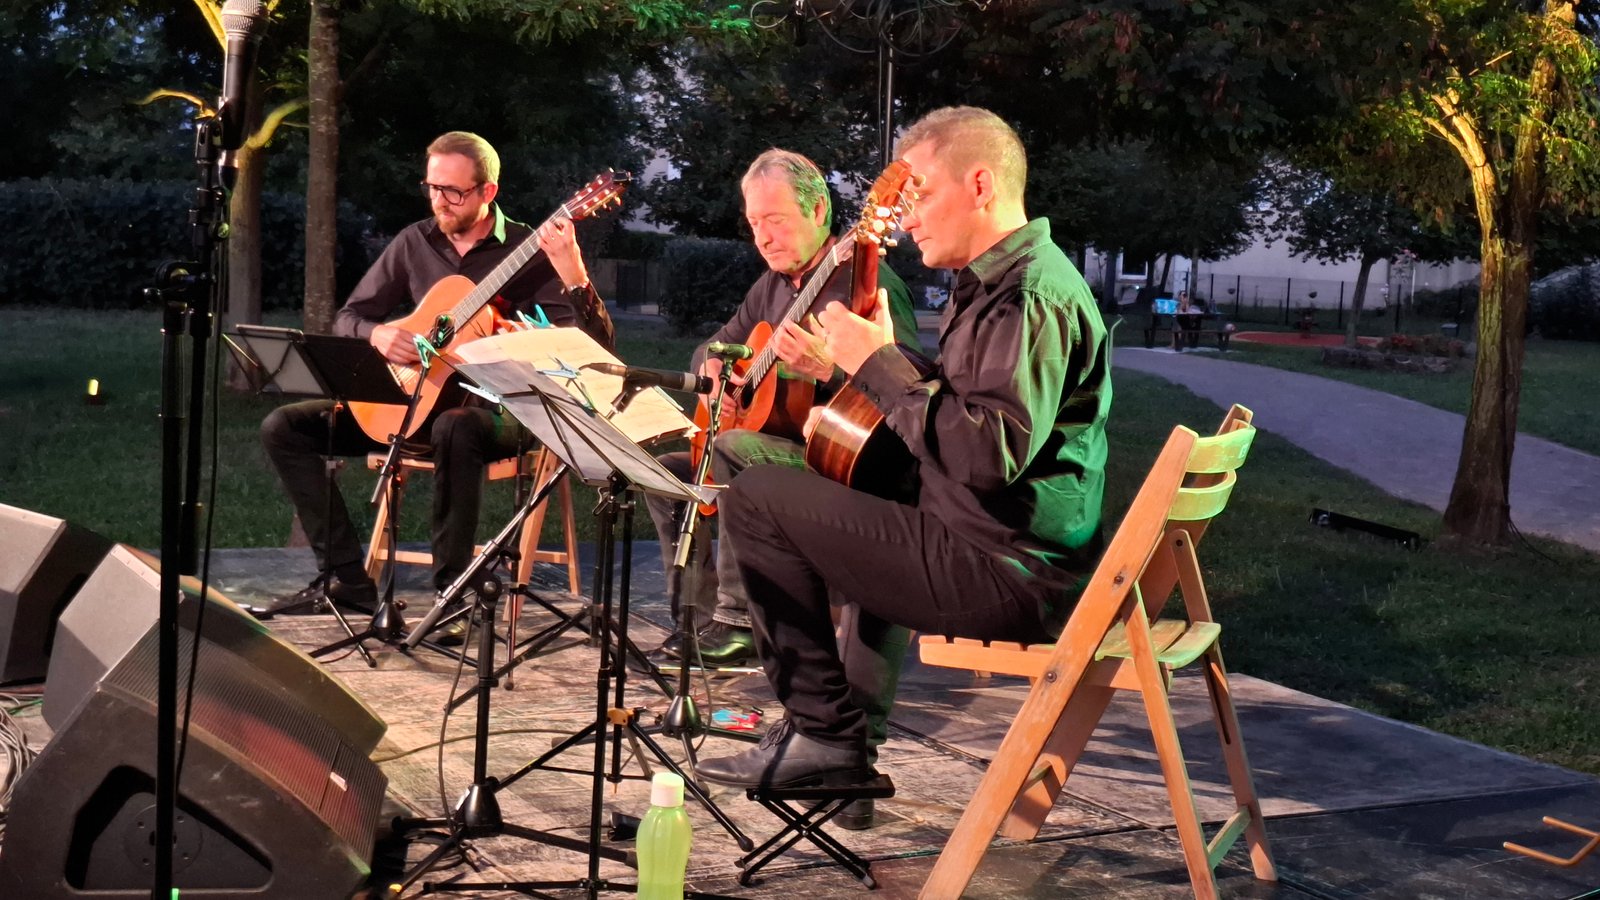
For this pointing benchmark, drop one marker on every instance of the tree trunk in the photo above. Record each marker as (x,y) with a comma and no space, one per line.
(1480,499)
(322,197)
(1108,279)
(1357,300)
(244,252)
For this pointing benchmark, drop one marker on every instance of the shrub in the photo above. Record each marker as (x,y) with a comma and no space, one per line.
(1455,304)
(1566,306)
(1423,345)
(705,279)
(106,238)
(626,244)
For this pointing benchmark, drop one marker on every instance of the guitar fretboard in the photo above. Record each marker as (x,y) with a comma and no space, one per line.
(480,296)
(841,252)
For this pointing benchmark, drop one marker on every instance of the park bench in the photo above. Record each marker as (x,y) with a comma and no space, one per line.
(1209,324)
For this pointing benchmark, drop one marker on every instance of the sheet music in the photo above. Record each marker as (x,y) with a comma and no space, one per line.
(651,416)
(582,438)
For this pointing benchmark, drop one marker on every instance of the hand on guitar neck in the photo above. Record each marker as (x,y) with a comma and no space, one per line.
(850,338)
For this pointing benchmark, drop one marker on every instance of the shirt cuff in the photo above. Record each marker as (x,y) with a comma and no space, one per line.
(884,377)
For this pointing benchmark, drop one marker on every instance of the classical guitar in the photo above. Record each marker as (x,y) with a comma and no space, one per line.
(760,404)
(456,311)
(850,443)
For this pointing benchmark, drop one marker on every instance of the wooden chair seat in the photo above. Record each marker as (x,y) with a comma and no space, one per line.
(1112,642)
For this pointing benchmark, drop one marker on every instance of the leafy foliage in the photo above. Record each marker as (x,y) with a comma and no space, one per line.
(704,280)
(108,237)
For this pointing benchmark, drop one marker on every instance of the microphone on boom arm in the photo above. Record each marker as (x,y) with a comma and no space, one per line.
(637,378)
(729,351)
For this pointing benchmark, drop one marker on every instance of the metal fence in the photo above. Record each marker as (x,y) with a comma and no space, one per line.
(1285,301)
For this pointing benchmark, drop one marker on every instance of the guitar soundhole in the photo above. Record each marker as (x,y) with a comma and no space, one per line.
(443,331)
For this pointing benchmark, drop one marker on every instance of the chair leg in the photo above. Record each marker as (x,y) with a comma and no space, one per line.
(1164,730)
(1198,607)
(379,553)
(569,526)
(1239,775)
(1061,752)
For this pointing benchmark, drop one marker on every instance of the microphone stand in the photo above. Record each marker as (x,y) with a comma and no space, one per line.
(191,295)
(682,719)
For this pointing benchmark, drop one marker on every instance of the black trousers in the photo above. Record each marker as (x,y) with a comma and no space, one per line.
(806,542)
(463,441)
(870,649)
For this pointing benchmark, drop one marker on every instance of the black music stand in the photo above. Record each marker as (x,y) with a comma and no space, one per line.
(596,452)
(290,363)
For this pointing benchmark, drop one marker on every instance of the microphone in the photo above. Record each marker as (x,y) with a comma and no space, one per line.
(729,351)
(242,23)
(633,376)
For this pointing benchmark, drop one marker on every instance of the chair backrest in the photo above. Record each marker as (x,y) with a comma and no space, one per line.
(1209,478)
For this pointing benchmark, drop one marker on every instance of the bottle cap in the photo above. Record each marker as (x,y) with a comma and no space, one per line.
(666,789)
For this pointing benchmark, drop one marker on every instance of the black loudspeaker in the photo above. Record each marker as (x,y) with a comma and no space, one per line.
(43,562)
(277,798)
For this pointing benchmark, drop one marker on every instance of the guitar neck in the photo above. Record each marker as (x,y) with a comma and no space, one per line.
(837,255)
(520,256)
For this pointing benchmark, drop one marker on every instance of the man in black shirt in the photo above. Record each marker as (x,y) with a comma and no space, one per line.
(1009,433)
(467,235)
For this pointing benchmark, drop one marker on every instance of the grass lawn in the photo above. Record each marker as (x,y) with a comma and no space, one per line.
(1451,639)
(1558,388)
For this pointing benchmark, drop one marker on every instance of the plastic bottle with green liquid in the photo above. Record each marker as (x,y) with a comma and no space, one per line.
(663,840)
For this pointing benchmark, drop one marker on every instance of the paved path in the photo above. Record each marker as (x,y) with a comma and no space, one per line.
(1404,447)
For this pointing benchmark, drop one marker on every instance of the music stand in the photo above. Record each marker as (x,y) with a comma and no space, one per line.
(290,363)
(590,447)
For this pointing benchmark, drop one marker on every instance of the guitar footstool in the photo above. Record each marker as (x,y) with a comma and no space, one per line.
(804,811)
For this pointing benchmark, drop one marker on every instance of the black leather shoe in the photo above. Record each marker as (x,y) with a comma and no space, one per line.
(721,646)
(314,598)
(856,816)
(787,758)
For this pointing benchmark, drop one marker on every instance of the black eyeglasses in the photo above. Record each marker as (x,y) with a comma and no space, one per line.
(451,195)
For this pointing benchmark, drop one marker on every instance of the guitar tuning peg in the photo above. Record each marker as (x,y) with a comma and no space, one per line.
(890,242)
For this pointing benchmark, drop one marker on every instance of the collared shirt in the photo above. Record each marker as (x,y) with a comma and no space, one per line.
(769,299)
(1009,428)
(421,255)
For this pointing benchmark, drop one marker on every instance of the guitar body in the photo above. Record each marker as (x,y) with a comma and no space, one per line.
(776,406)
(381,420)
(852,445)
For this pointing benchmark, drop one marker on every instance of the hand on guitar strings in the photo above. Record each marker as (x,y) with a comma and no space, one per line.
(804,351)
(850,338)
(397,345)
(558,238)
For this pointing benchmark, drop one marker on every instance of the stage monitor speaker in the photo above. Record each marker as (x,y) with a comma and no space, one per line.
(275,800)
(118,606)
(43,562)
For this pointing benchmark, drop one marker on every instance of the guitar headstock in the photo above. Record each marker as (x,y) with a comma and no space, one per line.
(885,204)
(604,190)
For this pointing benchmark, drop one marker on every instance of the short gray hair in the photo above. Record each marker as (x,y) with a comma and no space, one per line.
(964,136)
(799,173)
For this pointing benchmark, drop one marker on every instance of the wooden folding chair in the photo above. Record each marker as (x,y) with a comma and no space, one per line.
(1110,644)
(541,463)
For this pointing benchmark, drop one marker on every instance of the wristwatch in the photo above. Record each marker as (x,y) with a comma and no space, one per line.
(581,287)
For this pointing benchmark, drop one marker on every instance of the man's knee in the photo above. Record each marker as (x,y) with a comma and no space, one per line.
(456,430)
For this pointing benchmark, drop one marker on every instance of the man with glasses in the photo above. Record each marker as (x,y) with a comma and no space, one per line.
(467,235)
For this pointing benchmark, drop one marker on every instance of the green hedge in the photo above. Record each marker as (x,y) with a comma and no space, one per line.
(103,240)
(704,280)
(1567,306)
